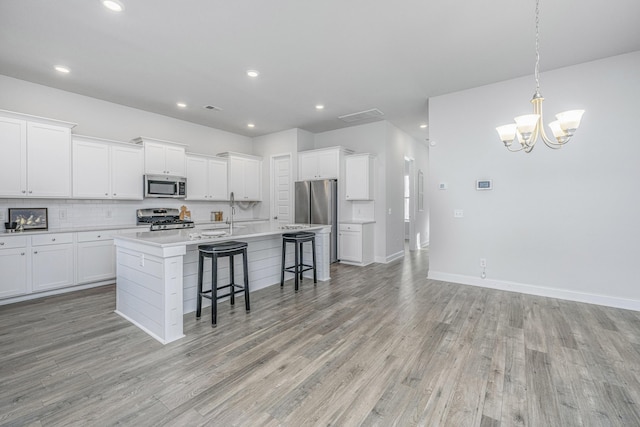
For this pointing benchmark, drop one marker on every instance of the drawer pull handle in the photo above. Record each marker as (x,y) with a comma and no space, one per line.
(35,252)
(53,240)
(1,243)
(99,236)
(22,253)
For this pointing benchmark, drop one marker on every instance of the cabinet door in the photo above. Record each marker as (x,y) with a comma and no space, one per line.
(52,267)
(96,261)
(13,272)
(350,246)
(175,160)
(154,158)
(48,160)
(307,167)
(13,160)
(357,179)
(127,168)
(197,178)
(252,179)
(327,164)
(236,178)
(217,180)
(91,172)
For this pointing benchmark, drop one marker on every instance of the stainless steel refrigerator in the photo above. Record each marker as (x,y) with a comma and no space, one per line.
(317,203)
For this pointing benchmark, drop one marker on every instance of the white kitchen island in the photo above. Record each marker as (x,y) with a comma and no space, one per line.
(157,270)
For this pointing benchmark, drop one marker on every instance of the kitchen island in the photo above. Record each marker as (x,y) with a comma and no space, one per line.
(156,271)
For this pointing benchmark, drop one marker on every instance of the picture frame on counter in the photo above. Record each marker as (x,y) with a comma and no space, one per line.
(29,218)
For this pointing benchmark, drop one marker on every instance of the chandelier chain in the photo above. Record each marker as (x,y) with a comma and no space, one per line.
(537,69)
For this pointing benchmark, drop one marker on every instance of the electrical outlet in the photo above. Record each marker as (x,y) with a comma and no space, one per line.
(62,214)
(458,213)
(483,262)
(141,260)
(109,214)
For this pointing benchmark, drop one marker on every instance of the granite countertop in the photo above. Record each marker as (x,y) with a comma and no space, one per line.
(208,234)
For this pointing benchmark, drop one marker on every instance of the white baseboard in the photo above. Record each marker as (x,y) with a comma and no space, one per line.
(394,257)
(58,291)
(542,291)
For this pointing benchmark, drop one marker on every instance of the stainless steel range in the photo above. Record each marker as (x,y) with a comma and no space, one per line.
(162,219)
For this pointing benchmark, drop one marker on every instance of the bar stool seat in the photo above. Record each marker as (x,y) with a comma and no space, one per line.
(215,251)
(298,266)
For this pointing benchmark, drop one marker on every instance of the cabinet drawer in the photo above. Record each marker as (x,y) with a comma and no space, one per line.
(51,239)
(94,236)
(350,227)
(13,242)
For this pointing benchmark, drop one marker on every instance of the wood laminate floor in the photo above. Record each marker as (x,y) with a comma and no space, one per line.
(379,345)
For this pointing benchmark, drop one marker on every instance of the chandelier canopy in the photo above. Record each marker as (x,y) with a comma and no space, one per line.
(529,127)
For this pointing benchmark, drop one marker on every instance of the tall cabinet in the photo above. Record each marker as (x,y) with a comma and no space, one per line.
(36,156)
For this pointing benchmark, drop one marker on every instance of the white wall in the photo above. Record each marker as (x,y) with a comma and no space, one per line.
(390,145)
(104,119)
(561,223)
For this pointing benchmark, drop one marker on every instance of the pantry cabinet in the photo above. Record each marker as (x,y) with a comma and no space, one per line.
(359,177)
(206,178)
(163,157)
(244,176)
(30,146)
(105,169)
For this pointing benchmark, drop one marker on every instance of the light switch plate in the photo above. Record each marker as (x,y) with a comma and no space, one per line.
(458,213)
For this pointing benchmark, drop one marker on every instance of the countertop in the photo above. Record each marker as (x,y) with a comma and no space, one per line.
(193,236)
(358,221)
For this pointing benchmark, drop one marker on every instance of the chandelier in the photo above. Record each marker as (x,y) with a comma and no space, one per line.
(529,127)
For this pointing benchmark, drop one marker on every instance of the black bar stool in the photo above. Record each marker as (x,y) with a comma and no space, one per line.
(218,250)
(298,266)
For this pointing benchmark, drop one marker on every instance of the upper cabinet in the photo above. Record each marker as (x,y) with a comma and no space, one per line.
(105,169)
(36,156)
(320,164)
(206,178)
(244,176)
(163,157)
(359,171)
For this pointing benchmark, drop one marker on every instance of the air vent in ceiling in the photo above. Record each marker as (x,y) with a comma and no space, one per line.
(362,115)
(212,108)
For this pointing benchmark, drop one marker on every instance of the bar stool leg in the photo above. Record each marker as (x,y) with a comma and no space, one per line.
(199,291)
(296,266)
(246,280)
(232,281)
(301,260)
(214,290)
(313,253)
(284,256)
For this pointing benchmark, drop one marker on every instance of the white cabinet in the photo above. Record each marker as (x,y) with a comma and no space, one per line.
(51,261)
(36,157)
(359,177)
(163,157)
(13,266)
(355,242)
(95,257)
(319,164)
(206,178)
(244,176)
(106,169)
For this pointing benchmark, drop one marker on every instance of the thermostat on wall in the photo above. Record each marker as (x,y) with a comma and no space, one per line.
(484,184)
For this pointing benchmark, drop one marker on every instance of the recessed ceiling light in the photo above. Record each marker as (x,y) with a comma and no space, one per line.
(319,107)
(252,73)
(113,5)
(250,125)
(62,69)
(181,104)
(423,126)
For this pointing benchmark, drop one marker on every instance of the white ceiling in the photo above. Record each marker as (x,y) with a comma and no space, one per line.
(350,55)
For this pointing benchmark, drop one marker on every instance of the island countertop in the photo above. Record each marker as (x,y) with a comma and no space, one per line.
(198,235)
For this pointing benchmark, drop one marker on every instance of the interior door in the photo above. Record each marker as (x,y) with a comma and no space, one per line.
(281,184)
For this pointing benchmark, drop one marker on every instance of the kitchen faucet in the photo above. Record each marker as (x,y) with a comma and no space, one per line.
(233,211)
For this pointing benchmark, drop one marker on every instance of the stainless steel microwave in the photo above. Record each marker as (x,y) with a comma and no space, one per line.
(165,186)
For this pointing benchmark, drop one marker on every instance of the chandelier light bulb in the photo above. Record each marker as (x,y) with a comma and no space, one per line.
(570,120)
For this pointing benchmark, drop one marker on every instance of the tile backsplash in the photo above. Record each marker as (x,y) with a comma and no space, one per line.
(66,214)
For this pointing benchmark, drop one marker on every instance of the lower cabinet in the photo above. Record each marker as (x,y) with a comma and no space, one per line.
(13,266)
(96,257)
(355,243)
(51,261)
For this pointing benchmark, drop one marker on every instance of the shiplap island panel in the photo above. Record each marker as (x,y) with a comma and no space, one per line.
(157,271)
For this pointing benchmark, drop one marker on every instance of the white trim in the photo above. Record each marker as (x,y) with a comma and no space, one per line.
(564,294)
(154,336)
(394,257)
(59,291)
